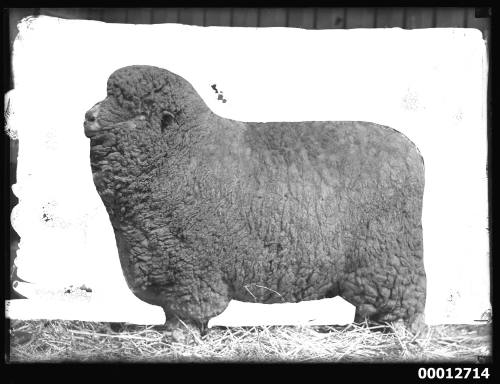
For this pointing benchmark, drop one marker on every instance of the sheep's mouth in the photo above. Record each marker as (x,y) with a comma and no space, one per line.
(91,125)
(91,128)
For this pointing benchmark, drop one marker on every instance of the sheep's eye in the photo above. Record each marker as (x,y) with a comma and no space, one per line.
(167,119)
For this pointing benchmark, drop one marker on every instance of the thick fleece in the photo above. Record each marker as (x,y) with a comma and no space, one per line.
(207,209)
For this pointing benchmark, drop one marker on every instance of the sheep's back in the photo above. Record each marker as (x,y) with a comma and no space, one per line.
(305,194)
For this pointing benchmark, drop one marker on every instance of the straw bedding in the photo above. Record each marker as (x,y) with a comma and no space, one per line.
(39,340)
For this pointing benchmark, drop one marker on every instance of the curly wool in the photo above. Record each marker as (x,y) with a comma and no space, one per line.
(207,209)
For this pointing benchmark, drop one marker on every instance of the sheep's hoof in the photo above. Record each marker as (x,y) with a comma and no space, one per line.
(417,326)
(182,332)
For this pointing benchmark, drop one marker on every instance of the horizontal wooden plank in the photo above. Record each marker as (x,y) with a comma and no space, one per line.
(450,17)
(302,18)
(361,17)
(192,16)
(327,18)
(165,15)
(245,17)
(273,17)
(218,17)
(95,14)
(390,17)
(139,15)
(71,13)
(114,15)
(16,14)
(419,18)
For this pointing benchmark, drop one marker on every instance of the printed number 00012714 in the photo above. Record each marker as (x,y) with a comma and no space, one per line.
(453,373)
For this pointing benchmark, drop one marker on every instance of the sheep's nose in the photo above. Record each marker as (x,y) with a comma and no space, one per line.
(90,115)
(91,125)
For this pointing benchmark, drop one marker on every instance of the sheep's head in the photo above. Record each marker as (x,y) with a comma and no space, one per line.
(154,95)
(147,114)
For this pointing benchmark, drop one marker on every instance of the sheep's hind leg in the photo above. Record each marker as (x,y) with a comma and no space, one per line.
(385,297)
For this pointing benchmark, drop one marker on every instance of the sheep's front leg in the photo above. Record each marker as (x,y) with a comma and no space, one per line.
(180,331)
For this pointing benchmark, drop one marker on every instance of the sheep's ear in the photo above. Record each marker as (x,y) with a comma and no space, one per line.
(167,119)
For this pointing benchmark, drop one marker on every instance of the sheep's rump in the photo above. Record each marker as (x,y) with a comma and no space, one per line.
(269,212)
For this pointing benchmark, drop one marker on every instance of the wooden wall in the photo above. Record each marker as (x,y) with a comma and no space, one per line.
(311,18)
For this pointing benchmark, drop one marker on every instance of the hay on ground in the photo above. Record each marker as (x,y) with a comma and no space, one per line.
(58,340)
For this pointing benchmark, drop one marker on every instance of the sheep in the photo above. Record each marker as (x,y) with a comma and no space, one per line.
(207,209)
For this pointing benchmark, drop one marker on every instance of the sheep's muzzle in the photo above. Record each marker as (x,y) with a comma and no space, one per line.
(91,124)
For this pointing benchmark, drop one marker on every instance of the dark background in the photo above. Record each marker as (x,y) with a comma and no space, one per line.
(309,18)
